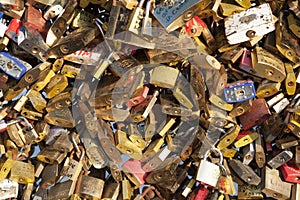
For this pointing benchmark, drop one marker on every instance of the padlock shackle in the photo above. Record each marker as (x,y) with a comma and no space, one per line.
(217,150)
(25,120)
(141,3)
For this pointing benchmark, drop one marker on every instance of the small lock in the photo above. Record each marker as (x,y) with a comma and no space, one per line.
(75,166)
(209,173)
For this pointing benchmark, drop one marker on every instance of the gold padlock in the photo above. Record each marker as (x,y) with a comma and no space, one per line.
(22,172)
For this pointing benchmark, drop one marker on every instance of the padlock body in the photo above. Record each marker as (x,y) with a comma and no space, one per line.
(208,174)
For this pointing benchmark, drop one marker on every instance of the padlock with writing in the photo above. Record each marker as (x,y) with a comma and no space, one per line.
(75,166)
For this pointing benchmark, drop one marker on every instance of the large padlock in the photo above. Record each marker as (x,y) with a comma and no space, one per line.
(209,173)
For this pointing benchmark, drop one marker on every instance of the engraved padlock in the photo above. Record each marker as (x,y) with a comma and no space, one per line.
(208,172)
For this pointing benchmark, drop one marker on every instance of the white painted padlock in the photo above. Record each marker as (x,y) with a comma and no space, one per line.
(209,173)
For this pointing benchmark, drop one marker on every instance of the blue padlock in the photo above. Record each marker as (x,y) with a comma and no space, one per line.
(239,91)
(12,66)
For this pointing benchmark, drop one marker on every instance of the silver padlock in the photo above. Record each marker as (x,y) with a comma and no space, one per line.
(209,173)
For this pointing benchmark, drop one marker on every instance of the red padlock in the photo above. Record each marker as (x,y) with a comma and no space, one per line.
(290,172)
(256,115)
(134,171)
(138,97)
(195,26)
(202,193)
(13,29)
(246,62)
(34,19)
(242,134)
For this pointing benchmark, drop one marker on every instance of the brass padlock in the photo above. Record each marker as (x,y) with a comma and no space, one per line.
(90,187)
(22,172)
(75,166)
(61,190)
(267,65)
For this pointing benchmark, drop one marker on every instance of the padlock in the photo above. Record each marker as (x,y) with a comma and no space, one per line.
(111,189)
(37,100)
(29,132)
(195,26)
(16,134)
(290,172)
(281,105)
(6,165)
(90,187)
(290,81)
(245,172)
(174,17)
(248,153)
(64,46)
(72,71)
(61,190)
(202,177)
(49,175)
(63,143)
(42,130)
(267,89)
(50,155)
(273,186)
(9,189)
(249,191)
(32,75)
(202,193)
(135,19)
(13,29)
(34,19)
(226,184)
(267,65)
(127,190)
(22,172)
(75,166)
(252,25)
(245,137)
(240,108)
(280,159)
(59,26)
(32,41)
(272,127)
(260,157)
(229,137)
(257,114)
(287,142)
(53,11)
(57,84)
(12,66)
(239,91)
(288,49)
